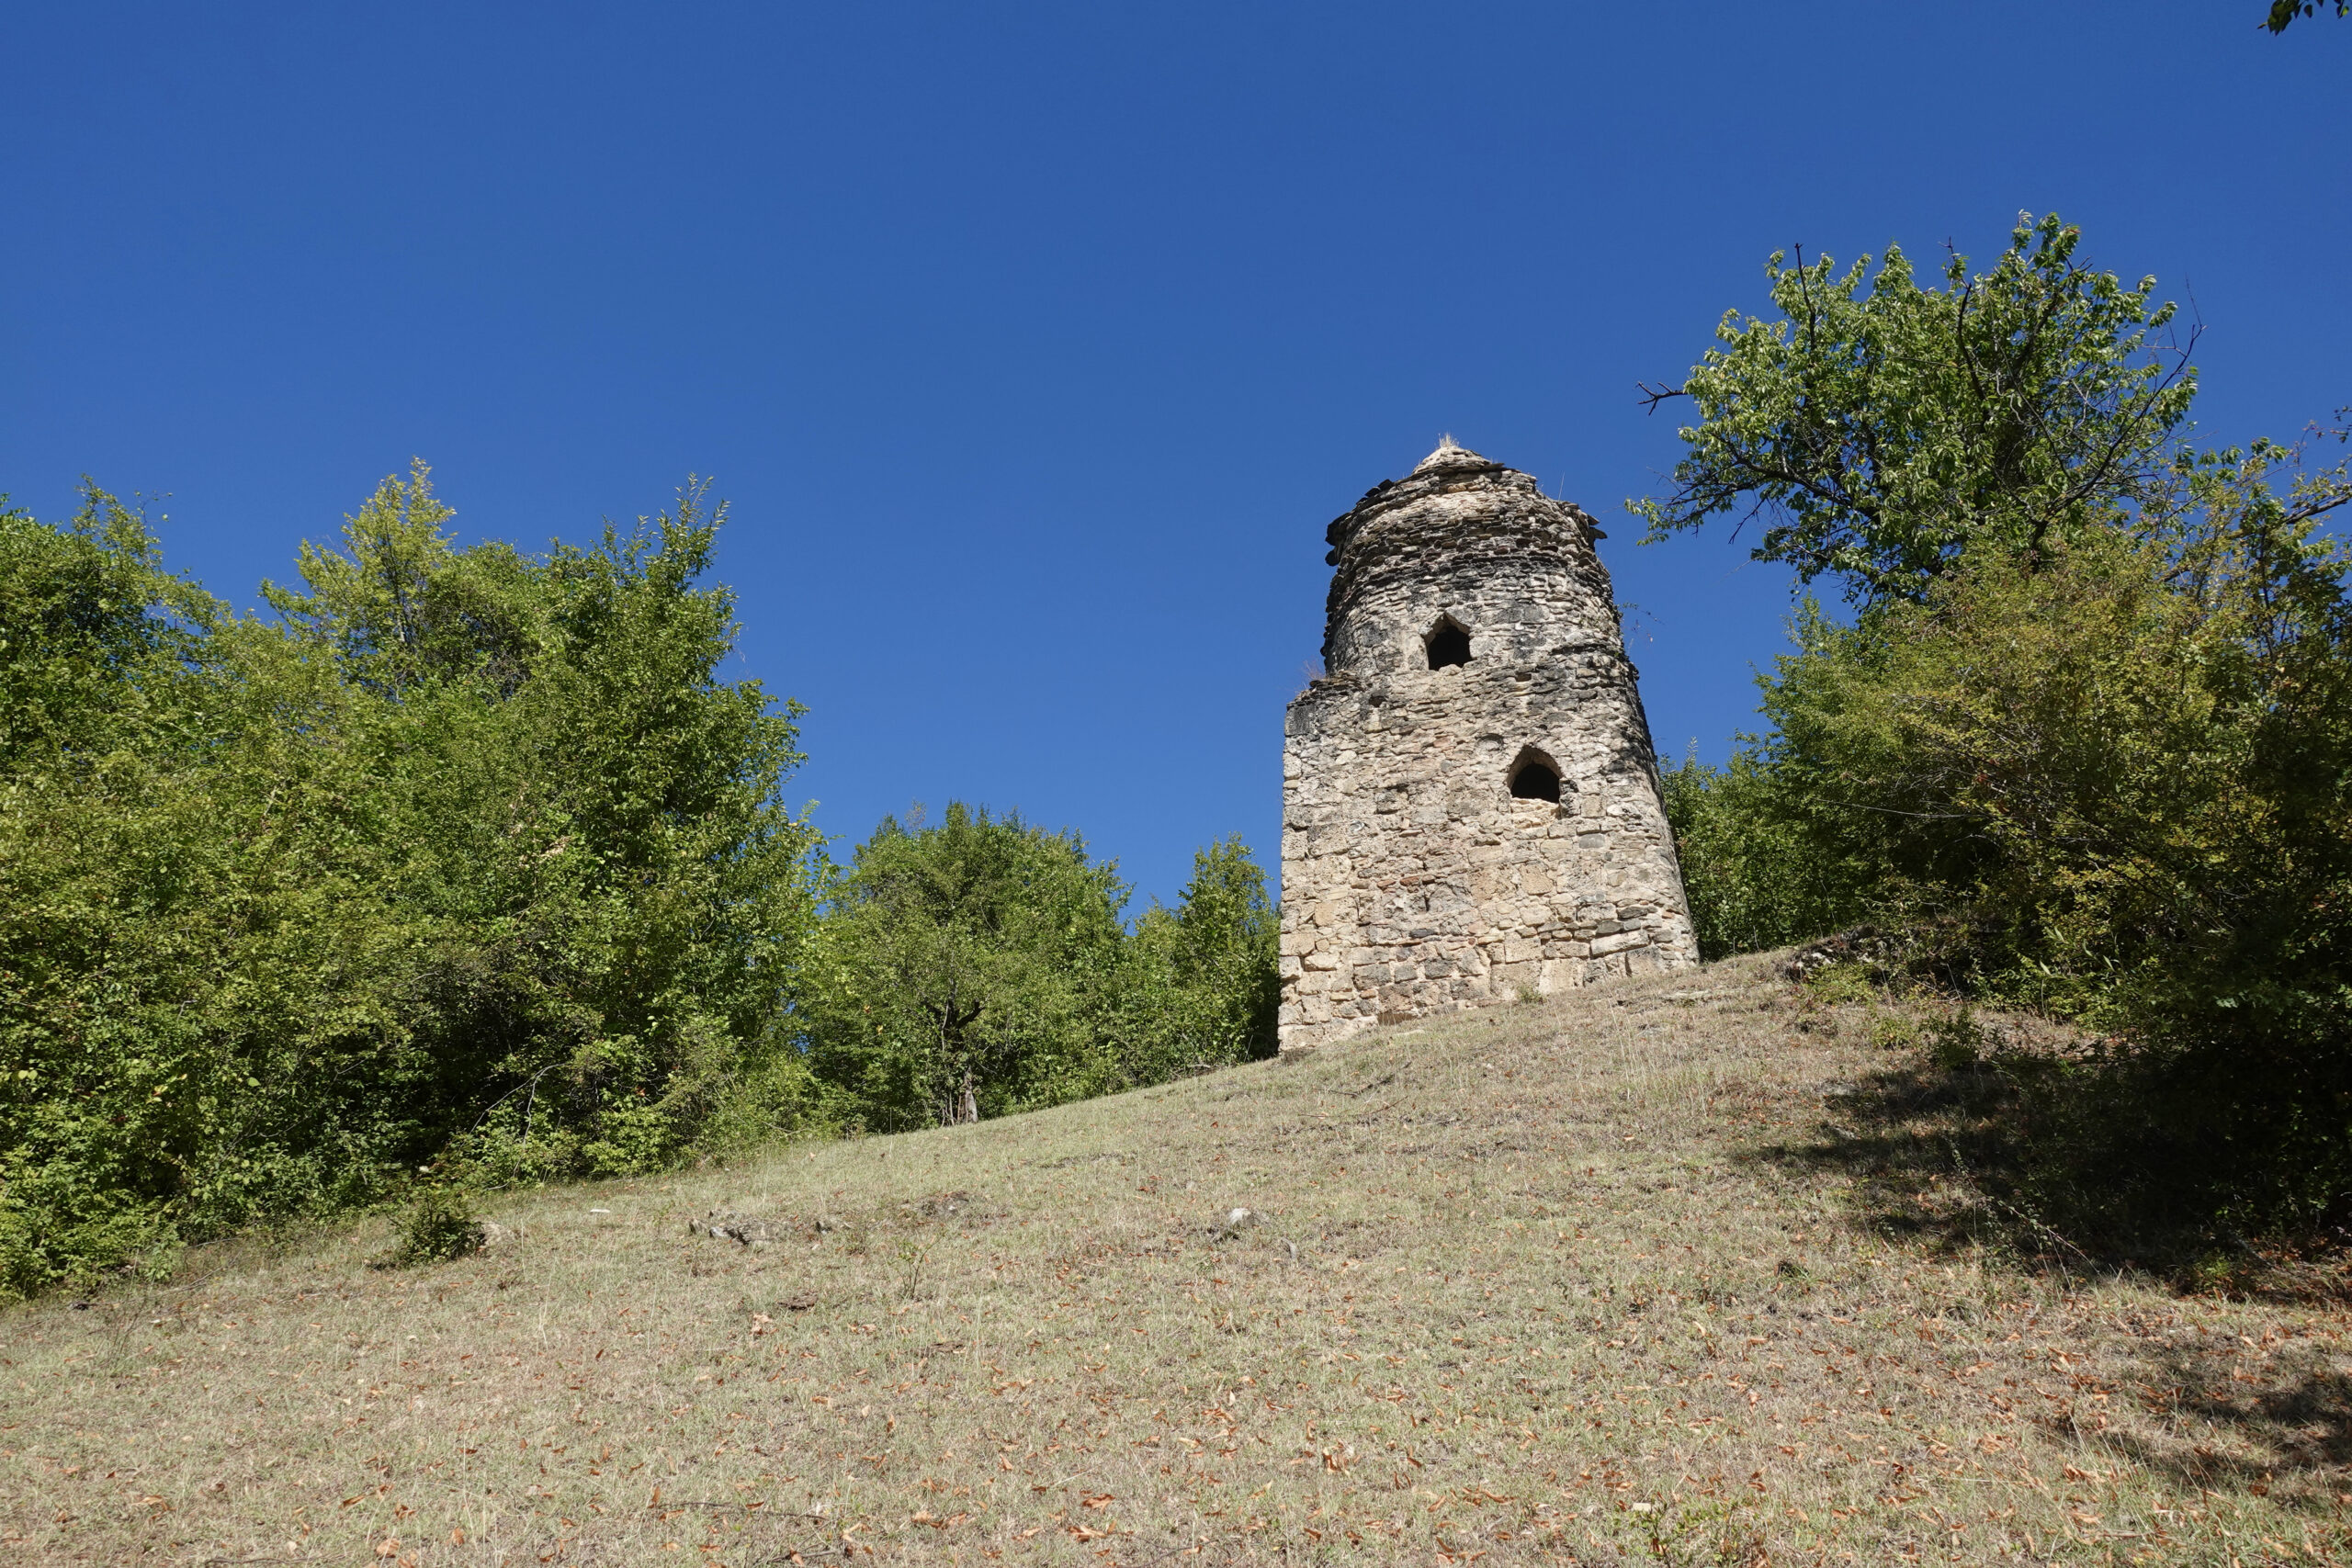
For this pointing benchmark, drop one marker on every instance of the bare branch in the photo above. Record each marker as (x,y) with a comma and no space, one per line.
(1653,396)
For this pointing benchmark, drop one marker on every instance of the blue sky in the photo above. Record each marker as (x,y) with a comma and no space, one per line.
(1035,345)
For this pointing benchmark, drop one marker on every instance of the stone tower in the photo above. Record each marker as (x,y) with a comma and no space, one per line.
(1470,803)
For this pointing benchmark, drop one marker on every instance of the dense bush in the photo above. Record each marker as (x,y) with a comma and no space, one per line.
(438,1228)
(980,966)
(1201,984)
(2117,784)
(463,848)
(1757,871)
(2085,742)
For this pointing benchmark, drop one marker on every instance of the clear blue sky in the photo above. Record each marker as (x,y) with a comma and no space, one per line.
(1035,345)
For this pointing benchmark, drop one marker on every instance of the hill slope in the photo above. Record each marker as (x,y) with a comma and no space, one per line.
(1587,1280)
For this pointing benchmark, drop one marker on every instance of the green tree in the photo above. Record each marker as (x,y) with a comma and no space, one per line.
(960,970)
(979,967)
(1883,429)
(2085,742)
(1202,987)
(1760,869)
(466,853)
(594,810)
(97,643)
(2118,786)
(465,861)
(192,959)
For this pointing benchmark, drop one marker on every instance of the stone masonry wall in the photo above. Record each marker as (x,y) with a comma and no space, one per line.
(1412,881)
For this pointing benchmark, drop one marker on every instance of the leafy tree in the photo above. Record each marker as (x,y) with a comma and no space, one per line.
(1758,868)
(1883,429)
(598,811)
(464,862)
(960,970)
(96,641)
(2085,744)
(2115,787)
(1203,985)
(979,967)
(466,853)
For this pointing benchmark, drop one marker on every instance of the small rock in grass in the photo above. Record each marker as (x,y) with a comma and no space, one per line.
(743,1228)
(941,1206)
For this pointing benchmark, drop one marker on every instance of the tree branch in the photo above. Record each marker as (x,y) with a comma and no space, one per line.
(1653,396)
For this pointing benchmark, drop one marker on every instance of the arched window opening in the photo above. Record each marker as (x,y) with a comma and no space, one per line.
(1534,776)
(1449,645)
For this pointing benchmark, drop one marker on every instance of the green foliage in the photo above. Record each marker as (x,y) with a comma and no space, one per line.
(1200,987)
(2085,746)
(1758,870)
(2091,767)
(439,1227)
(964,959)
(2283,13)
(979,967)
(1883,429)
(2119,787)
(1838,984)
(467,851)
(468,855)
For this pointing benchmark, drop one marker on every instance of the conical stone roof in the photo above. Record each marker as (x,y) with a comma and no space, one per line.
(1450,456)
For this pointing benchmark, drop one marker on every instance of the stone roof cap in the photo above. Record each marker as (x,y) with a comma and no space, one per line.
(1449,456)
(1450,461)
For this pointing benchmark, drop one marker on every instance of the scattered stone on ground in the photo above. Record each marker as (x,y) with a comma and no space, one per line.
(721,1225)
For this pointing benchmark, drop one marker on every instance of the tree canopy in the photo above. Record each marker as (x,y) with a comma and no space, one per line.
(979,965)
(463,854)
(1881,429)
(2085,744)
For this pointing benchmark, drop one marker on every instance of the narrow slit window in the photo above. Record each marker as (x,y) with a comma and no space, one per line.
(1449,645)
(1532,778)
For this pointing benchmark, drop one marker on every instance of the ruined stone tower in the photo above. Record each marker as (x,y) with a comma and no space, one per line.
(1470,803)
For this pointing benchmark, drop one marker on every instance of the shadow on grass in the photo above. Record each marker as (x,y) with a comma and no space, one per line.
(1954,1158)
(2055,1166)
(1932,1153)
(2301,1422)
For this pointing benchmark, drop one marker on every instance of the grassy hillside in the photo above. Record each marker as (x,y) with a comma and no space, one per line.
(1634,1274)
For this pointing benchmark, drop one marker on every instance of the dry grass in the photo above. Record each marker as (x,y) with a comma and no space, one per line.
(1590,1281)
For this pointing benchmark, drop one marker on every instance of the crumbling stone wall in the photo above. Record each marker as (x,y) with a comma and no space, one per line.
(1413,881)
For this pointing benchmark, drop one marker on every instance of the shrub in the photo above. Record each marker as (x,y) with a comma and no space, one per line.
(438,1228)
(980,966)
(2085,742)
(1758,871)
(466,847)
